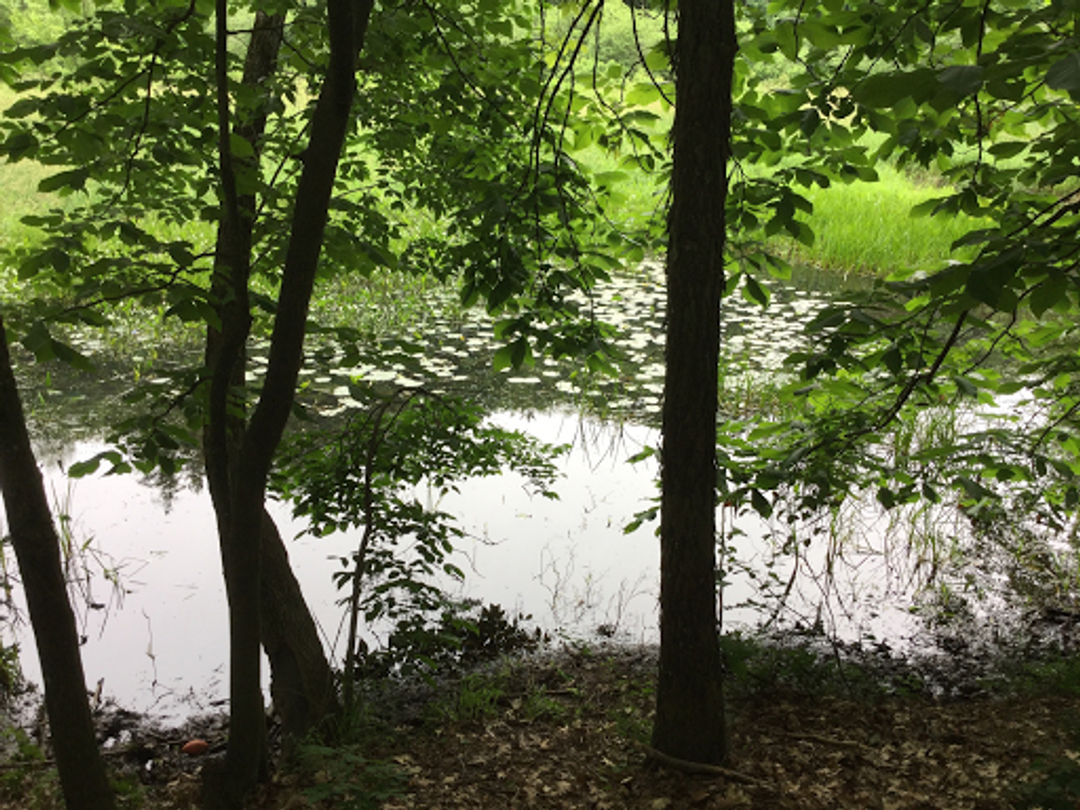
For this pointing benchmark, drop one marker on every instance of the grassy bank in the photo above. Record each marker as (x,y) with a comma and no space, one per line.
(863,228)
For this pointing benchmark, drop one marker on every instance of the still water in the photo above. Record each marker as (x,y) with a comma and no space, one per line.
(148,589)
(150,601)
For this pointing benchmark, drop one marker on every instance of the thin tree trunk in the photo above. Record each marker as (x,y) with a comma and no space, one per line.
(301,679)
(689,704)
(37,548)
(240,520)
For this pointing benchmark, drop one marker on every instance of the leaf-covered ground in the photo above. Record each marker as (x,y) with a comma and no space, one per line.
(788,751)
(568,730)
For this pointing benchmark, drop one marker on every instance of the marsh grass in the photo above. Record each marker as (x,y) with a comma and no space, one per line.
(867,228)
(860,228)
(384,302)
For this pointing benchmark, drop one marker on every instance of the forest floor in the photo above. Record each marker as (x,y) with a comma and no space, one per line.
(568,729)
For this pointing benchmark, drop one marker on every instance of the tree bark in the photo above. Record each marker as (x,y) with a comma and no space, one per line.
(37,549)
(301,679)
(301,682)
(689,704)
(240,516)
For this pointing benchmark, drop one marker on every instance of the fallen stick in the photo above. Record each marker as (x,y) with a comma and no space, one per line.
(818,738)
(688,766)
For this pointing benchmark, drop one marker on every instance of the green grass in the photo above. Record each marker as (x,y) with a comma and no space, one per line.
(21,197)
(867,228)
(638,201)
(861,228)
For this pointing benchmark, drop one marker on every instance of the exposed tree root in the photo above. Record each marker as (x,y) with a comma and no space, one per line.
(688,766)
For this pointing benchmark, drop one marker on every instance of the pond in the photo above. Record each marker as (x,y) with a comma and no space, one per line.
(148,589)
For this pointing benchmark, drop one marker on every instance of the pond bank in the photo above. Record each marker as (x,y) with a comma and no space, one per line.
(567,727)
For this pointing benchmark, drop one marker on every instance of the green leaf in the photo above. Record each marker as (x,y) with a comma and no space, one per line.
(657,59)
(760,503)
(240,146)
(990,282)
(19,145)
(1008,149)
(501,293)
(929,207)
(963,80)
(882,90)
(38,341)
(893,360)
(1065,73)
(503,358)
(1051,292)
(83,468)
(642,94)
(66,354)
(753,291)
(785,38)
(53,257)
(73,179)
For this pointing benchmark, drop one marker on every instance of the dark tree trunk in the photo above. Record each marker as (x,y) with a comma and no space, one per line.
(301,679)
(240,515)
(689,705)
(37,548)
(301,682)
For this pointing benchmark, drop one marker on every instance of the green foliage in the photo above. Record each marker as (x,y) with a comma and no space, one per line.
(11,679)
(1040,673)
(983,101)
(1055,782)
(128,790)
(344,777)
(463,635)
(370,478)
(476,698)
(453,170)
(25,22)
(623,35)
(538,705)
(760,668)
(631,724)
(26,781)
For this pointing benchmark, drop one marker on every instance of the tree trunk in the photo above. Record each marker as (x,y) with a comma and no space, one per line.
(37,548)
(240,515)
(301,679)
(689,704)
(301,683)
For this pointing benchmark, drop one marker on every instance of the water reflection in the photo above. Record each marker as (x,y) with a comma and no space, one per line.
(156,634)
(153,608)
(157,631)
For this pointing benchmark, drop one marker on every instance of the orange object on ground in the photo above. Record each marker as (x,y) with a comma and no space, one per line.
(195,747)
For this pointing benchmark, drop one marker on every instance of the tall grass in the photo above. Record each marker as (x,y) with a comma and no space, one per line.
(862,228)
(867,228)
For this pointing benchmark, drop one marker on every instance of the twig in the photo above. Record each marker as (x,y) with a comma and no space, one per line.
(818,738)
(687,766)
